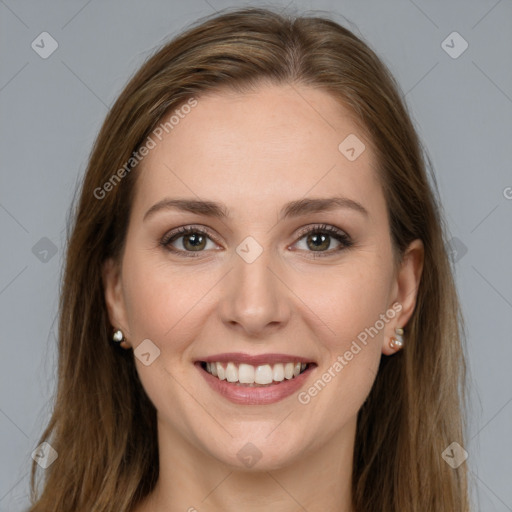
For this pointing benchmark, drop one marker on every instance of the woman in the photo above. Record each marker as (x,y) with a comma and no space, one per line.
(257,311)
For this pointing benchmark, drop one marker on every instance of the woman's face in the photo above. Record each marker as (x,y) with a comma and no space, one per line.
(263,286)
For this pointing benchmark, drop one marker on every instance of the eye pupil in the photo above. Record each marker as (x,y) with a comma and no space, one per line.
(196,241)
(321,238)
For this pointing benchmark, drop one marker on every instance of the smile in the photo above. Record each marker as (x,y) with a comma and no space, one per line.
(255,380)
(261,375)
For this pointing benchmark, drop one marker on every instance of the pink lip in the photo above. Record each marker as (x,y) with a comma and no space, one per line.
(245,395)
(240,357)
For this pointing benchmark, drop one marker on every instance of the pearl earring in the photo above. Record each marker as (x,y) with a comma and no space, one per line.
(397,342)
(118,337)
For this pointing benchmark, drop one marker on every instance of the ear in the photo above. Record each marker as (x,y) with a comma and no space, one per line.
(113,289)
(405,290)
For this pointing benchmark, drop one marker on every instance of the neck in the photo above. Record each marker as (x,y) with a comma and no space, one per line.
(192,481)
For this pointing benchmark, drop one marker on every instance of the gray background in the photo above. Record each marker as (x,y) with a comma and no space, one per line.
(51,110)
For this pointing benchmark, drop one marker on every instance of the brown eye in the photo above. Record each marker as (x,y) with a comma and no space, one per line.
(194,242)
(318,239)
(193,239)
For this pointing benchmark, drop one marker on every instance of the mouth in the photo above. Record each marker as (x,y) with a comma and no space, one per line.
(248,375)
(255,380)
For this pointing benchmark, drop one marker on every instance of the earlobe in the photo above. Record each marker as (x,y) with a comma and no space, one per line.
(406,291)
(112,286)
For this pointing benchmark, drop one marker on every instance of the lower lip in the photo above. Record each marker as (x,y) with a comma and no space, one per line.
(245,395)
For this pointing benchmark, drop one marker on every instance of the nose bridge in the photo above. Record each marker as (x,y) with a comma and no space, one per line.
(254,298)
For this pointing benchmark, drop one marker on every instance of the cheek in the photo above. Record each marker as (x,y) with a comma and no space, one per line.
(155,298)
(353,307)
(164,301)
(348,299)
(354,303)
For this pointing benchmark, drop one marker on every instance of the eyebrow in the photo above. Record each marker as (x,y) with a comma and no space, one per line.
(289,210)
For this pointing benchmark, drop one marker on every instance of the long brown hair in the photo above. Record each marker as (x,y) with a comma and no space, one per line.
(103,425)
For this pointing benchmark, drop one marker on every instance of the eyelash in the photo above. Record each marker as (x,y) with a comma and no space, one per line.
(325,229)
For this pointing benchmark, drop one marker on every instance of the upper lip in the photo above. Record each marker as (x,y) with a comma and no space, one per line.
(255,360)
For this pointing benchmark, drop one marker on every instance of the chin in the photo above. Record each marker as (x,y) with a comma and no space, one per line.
(257,453)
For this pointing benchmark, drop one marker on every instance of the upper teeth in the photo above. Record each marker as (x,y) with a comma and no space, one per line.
(248,374)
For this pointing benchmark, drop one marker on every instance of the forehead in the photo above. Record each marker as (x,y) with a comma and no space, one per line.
(272,144)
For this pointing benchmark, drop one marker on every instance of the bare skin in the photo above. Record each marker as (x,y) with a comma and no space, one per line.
(254,153)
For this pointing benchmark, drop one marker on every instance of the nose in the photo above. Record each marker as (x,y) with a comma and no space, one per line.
(255,299)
